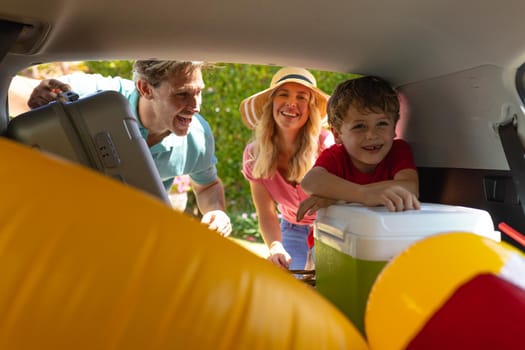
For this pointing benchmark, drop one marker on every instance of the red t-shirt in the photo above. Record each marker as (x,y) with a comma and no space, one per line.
(337,161)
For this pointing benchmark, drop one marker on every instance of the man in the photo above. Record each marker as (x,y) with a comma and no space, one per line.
(166,97)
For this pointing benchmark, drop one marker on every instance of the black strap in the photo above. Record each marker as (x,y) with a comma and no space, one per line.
(295,76)
(9,32)
(515,155)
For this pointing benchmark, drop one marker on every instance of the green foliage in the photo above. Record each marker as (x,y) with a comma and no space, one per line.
(121,69)
(246,227)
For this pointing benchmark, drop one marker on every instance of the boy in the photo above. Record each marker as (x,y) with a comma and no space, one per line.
(366,165)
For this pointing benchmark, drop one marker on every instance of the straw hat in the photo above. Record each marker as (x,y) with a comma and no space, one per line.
(251,108)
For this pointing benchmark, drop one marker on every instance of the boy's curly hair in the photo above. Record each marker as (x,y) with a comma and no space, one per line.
(367,94)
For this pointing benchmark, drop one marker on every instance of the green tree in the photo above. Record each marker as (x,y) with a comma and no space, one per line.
(121,69)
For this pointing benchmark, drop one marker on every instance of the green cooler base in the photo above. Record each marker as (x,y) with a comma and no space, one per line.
(345,281)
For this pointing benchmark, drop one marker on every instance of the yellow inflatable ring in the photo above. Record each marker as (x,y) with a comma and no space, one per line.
(89,263)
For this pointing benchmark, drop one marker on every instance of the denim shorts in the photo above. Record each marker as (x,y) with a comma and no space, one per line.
(295,242)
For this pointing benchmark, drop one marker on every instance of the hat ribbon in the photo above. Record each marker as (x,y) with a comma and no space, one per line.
(295,76)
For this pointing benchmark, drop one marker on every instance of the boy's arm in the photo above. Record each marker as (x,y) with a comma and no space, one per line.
(325,189)
(397,195)
(406,178)
(318,181)
(312,204)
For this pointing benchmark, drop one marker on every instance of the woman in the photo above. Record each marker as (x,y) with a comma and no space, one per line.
(288,121)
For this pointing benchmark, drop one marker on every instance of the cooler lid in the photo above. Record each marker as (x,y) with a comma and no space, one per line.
(378,222)
(377,234)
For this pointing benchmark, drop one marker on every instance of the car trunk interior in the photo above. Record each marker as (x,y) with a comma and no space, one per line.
(452,125)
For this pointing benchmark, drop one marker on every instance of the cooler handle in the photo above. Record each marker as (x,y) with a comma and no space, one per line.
(333,228)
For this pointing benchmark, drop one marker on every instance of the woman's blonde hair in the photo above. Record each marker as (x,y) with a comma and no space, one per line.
(266,148)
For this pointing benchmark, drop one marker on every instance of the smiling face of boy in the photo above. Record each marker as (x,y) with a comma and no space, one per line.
(367,137)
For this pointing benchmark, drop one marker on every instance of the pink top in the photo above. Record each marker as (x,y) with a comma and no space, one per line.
(288,196)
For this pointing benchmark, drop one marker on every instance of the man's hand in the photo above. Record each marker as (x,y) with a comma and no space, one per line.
(279,256)
(45,92)
(217,220)
(312,204)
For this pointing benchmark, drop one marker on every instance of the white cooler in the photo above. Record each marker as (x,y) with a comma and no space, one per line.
(353,243)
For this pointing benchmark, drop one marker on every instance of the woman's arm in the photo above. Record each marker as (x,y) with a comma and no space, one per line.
(269,224)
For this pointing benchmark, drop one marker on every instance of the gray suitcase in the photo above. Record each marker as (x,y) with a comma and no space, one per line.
(99,131)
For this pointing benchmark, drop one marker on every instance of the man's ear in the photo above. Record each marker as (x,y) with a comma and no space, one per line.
(145,89)
(337,138)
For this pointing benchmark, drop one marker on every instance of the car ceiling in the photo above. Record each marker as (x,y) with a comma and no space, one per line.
(405,40)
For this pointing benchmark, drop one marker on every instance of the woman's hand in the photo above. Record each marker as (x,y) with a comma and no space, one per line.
(279,256)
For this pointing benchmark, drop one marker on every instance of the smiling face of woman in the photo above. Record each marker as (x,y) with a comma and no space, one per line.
(367,137)
(291,105)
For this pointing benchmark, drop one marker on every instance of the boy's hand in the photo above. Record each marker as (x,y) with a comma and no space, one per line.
(394,197)
(312,204)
